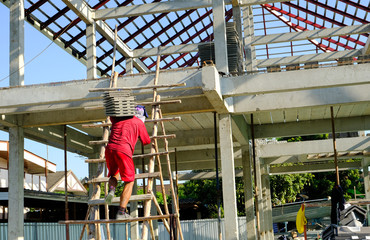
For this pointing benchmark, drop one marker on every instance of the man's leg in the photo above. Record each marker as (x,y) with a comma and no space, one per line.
(124,199)
(112,184)
(126,194)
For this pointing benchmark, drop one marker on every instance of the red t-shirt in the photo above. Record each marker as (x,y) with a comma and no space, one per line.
(124,134)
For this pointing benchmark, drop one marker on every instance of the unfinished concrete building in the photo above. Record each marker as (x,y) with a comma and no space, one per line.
(252,68)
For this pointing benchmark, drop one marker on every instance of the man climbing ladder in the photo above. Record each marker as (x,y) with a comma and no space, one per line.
(125,132)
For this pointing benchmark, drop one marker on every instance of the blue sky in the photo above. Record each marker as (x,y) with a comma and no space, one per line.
(53,65)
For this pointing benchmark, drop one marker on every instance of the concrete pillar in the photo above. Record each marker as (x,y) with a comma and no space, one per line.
(267,202)
(228,178)
(134,212)
(248,193)
(249,50)
(219,27)
(16,49)
(16,182)
(260,198)
(91,51)
(365,167)
(129,65)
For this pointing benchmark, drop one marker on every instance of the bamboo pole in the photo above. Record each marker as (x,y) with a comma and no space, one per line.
(155,114)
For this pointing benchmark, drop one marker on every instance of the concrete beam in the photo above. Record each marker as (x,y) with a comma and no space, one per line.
(313,34)
(313,147)
(212,90)
(54,136)
(7,121)
(366,49)
(295,80)
(321,57)
(164,7)
(150,8)
(321,126)
(323,167)
(72,91)
(240,129)
(166,50)
(301,99)
(71,116)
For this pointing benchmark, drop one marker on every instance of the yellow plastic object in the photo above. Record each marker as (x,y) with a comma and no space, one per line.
(301,219)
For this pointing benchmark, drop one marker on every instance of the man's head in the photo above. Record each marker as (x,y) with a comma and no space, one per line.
(141,112)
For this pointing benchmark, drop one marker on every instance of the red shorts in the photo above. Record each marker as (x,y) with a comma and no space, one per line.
(118,161)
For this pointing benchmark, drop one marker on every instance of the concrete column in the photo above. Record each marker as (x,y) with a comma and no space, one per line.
(91,51)
(248,193)
(260,198)
(220,42)
(16,54)
(267,202)
(228,178)
(16,182)
(134,212)
(129,65)
(365,167)
(249,50)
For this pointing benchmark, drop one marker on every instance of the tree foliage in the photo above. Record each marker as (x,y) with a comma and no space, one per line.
(285,188)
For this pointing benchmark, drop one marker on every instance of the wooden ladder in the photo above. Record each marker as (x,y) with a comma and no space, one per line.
(92,216)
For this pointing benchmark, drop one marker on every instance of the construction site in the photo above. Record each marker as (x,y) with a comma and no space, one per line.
(221,82)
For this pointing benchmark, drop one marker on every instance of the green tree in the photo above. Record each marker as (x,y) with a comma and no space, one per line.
(285,188)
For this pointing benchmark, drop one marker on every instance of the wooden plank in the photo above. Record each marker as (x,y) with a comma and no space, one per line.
(277,116)
(359,109)
(304,114)
(140,197)
(137,176)
(138,219)
(191,121)
(344,111)
(290,115)
(136,88)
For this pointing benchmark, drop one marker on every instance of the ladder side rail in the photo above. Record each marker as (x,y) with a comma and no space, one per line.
(173,193)
(147,204)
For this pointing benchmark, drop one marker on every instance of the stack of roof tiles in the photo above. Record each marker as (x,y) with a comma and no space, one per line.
(119,103)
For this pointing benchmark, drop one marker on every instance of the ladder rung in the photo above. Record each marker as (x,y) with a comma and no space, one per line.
(163,136)
(136,198)
(160,102)
(137,176)
(96,125)
(138,219)
(152,137)
(136,88)
(152,154)
(100,160)
(97,142)
(163,119)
